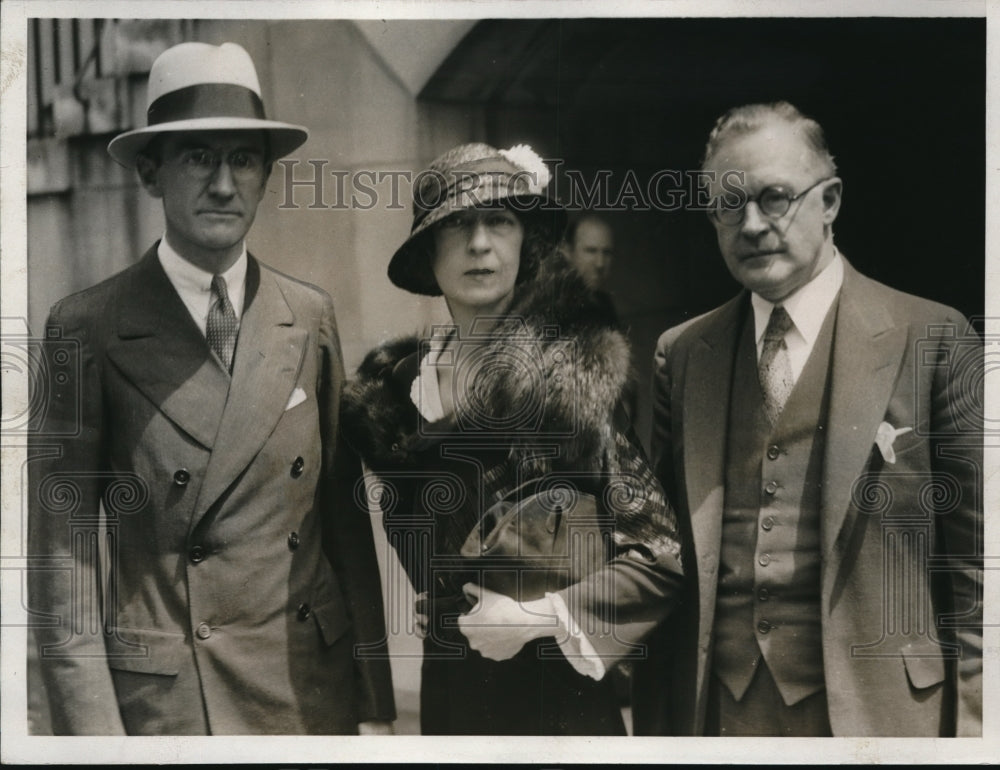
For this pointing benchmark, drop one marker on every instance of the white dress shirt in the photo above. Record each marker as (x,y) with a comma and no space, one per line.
(807,307)
(194,285)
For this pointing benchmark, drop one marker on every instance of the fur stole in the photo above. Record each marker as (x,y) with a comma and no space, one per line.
(553,371)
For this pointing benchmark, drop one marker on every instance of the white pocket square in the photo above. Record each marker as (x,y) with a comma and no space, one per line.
(298,396)
(885,437)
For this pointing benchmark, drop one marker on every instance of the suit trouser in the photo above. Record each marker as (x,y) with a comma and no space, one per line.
(762,711)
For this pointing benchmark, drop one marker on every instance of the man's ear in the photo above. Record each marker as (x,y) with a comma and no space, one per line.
(831,199)
(149,174)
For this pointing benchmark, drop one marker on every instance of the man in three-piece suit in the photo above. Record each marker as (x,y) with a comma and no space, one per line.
(820,435)
(200,565)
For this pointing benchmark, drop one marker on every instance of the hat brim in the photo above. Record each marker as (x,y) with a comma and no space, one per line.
(284,137)
(405,270)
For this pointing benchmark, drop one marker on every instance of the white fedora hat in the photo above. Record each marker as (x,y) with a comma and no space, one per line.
(202,87)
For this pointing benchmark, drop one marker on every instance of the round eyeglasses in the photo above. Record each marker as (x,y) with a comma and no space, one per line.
(773,202)
(202,163)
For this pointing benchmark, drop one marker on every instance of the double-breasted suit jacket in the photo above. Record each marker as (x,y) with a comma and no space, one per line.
(240,574)
(901,542)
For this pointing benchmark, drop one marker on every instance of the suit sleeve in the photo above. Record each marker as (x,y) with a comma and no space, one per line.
(349,543)
(660,443)
(65,580)
(957,455)
(618,606)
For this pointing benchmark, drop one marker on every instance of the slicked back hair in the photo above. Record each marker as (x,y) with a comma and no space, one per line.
(740,121)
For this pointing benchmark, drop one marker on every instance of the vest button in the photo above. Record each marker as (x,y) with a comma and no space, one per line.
(304,612)
(767,524)
(773,452)
(196,554)
(764,560)
(764,627)
(297,467)
(203,631)
(293,540)
(182,477)
(771,488)
(762,594)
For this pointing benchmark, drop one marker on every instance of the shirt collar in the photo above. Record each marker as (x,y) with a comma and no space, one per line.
(187,276)
(808,305)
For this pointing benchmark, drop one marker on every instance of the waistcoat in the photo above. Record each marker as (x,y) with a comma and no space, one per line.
(768,599)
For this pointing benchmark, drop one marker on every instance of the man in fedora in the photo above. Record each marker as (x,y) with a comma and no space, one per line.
(235,587)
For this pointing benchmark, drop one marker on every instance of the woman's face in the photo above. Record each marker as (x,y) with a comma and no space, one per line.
(476,258)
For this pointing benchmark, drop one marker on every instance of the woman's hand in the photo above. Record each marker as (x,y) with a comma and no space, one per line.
(498,627)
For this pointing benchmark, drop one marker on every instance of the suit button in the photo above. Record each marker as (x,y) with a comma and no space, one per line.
(767,523)
(182,477)
(764,627)
(773,452)
(771,488)
(304,612)
(203,631)
(764,560)
(297,467)
(763,595)
(196,554)
(293,540)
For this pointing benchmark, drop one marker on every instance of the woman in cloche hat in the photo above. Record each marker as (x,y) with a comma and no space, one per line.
(522,391)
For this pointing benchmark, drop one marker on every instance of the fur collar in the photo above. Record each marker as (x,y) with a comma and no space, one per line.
(557,358)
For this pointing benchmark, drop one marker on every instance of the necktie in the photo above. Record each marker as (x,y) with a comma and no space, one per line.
(221,328)
(775,368)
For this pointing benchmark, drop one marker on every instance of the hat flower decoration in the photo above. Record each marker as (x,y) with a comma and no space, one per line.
(525,158)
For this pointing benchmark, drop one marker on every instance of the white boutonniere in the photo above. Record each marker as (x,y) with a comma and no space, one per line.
(522,156)
(885,436)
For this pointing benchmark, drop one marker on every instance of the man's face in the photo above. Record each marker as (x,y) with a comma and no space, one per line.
(592,251)
(211,183)
(774,256)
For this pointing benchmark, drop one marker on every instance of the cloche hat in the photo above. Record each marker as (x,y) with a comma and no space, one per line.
(202,87)
(473,175)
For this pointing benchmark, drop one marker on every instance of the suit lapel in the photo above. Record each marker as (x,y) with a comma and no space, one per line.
(867,351)
(705,416)
(160,350)
(269,354)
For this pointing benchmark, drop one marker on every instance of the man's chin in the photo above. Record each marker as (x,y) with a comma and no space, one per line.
(767,282)
(223,238)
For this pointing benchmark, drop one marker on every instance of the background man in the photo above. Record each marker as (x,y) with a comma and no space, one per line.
(240,573)
(820,436)
(590,246)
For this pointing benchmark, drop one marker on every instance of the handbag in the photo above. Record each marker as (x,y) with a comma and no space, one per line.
(543,536)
